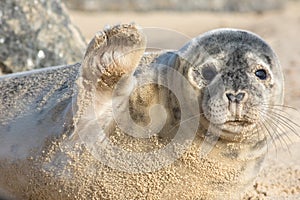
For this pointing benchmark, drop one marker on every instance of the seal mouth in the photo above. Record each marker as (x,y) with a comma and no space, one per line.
(238,123)
(237,126)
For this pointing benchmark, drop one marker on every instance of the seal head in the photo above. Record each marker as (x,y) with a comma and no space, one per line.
(240,80)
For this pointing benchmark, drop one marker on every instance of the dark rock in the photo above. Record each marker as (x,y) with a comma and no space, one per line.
(36,34)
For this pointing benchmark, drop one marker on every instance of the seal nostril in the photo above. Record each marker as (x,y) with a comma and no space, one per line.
(240,96)
(237,98)
(230,96)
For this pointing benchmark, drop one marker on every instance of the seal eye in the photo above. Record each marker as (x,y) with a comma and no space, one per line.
(209,72)
(261,74)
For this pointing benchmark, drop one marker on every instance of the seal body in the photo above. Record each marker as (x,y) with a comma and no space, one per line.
(91,130)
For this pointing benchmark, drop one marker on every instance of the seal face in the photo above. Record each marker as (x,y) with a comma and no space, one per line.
(49,140)
(240,79)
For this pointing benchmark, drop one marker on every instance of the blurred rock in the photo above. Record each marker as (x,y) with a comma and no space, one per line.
(36,34)
(178,5)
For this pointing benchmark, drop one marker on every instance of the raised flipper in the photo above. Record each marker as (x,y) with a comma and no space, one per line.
(112,56)
(112,53)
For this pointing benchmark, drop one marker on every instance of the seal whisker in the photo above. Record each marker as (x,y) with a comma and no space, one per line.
(280,117)
(283,120)
(278,105)
(275,132)
(266,122)
(284,126)
(272,122)
(281,125)
(263,126)
(282,110)
(258,127)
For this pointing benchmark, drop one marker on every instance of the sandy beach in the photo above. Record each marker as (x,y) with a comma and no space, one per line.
(280,178)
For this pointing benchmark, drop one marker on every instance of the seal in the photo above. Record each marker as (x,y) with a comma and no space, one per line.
(89,130)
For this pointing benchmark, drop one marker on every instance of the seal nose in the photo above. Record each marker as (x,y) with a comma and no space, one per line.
(235,97)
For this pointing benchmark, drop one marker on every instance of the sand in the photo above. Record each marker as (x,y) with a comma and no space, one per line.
(280,178)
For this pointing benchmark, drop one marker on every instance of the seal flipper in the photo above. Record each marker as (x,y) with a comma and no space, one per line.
(112,53)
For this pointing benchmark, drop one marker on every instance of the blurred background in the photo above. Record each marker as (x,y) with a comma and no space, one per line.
(176,5)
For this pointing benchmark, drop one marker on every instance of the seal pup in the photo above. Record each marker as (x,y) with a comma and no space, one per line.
(60,130)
